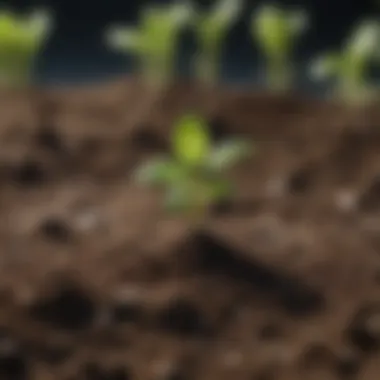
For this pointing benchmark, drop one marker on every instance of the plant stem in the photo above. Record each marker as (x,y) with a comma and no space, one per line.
(352,86)
(198,207)
(207,68)
(16,71)
(279,75)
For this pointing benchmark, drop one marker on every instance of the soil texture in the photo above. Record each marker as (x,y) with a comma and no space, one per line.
(98,282)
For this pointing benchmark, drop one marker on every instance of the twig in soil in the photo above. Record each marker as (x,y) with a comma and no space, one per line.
(350,65)
(21,38)
(193,175)
(276,31)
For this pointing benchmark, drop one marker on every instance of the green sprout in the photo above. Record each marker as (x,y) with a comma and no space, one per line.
(21,38)
(211,30)
(154,41)
(276,31)
(350,65)
(193,173)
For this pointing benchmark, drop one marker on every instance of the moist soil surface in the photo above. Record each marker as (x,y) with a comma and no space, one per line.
(98,282)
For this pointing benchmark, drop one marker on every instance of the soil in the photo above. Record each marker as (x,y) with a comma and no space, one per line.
(98,282)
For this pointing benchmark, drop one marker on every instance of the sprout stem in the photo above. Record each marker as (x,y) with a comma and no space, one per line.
(279,75)
(207,67)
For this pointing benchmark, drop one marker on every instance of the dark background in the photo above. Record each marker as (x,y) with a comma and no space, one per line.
(76,53)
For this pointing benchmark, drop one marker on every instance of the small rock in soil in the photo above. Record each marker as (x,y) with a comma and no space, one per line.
(182,318)
(346,200)
(70,309)
(364,330)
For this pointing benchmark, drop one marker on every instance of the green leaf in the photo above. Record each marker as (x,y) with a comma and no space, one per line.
(276,29)
(298,22)
(166,18)
(23,34)
(364,41)
(191,140)
(228,154)
(326,66)
(211,27)
(123,38)
(8,25)
(226,12)
(181,14)
(39,24)
(160,172)
(270,27)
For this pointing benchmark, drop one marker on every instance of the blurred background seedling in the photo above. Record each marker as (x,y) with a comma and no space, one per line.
(211,29)
(349,66)
(154,41)
(21,39)
(193,175)
(276,31)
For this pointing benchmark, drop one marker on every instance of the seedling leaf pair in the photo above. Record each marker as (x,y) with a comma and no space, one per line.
(349,65)
(192,175)
(154,40)
(21,37)
(276,31)
(211,28)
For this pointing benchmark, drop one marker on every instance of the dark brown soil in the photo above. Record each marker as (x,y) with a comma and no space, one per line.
(98,283)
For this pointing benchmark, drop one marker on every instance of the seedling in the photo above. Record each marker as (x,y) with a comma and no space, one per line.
(154,41)
(349,66)
(276,31)
(21,38)
(193,174)
(211,29)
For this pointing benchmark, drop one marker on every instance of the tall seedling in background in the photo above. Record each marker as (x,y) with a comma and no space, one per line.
(211,29)
(193,174)
(276,31)
(154,41)
(21,38)
(349,66)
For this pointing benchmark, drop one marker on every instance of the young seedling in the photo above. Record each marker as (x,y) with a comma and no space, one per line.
(193,174)
(154,41)
(349,66)
(21,38)
(211,29)
(276,31)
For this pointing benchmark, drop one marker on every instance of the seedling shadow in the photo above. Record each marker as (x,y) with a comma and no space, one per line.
(292,295)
